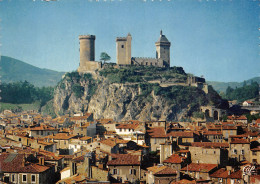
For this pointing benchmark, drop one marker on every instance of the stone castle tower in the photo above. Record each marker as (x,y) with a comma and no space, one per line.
(123,53)
(123,50)
(163,48)
(87,48)
(87,54)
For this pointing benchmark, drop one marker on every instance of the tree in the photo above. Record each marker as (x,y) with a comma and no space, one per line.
(104,56)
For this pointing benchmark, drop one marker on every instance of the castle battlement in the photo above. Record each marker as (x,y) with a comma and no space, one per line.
(121,39)
(87,37)
(143,58)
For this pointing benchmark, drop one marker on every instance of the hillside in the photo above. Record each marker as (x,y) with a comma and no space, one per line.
(222,86)
(13,70)
(132,93)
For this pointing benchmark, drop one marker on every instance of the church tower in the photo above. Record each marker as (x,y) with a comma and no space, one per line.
(163,49)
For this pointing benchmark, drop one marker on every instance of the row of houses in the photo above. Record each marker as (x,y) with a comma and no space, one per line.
(80,149)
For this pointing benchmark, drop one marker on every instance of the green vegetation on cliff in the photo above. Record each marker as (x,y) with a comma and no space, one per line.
(136,74)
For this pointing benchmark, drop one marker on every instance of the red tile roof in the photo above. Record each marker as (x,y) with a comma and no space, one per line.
(11,162)
(162,170)
(212,133)
(210,144)
(175,159)
(220,173)
(124,159)
(156,132)
(127,126)
(199,167)
(181,134)
(184,181)
(43,128)
(236,175)
(60,136)
(240,141)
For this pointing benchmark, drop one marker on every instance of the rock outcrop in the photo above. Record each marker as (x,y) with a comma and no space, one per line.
(125,101)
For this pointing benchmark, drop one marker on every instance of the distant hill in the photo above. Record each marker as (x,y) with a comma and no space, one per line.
(222,86)
(13,70)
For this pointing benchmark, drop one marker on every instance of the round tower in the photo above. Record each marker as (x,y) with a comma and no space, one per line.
(163,49)
(87,48)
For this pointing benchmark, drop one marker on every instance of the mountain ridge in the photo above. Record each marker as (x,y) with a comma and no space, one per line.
(222,86)
(13,70)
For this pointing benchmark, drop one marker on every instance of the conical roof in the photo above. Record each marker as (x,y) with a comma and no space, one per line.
(162,38)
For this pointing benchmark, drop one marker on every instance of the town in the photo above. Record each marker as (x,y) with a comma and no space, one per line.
(80,149)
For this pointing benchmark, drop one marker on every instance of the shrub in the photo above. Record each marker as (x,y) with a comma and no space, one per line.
(78,90)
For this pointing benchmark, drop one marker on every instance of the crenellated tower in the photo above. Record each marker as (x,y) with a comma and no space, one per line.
(123,50)
(87,48)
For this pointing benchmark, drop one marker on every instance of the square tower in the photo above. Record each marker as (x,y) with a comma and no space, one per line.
(123,50)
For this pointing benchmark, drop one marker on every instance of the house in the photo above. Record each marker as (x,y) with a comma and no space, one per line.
(199,170)
(131,131)
(21,168)
(161,174)
(212,136)
(125,167)
(80,118)
(176,162)
(42,131)
(62,141)
(236,119)
(239,149)
(228,130)
(47,145)
(247,103)
(77,144)
(183,137)
(255,155)
(155,136)
(51,158)
(85,129)
(210,153)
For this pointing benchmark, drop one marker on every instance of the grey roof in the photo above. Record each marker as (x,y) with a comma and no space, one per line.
(163,38)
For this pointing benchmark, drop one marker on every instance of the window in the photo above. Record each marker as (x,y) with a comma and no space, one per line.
(132,171)
(242,152)
(13,177)
(254,153)
(235,151)
(24,178)
(33,178)
(122,46)
(20,139)
(115,171)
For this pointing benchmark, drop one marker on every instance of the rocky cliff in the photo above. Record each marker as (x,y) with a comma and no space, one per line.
(113,96)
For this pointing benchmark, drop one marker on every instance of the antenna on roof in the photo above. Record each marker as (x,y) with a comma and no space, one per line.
(161,33)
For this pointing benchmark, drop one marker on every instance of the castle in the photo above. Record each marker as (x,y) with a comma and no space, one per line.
(123,53)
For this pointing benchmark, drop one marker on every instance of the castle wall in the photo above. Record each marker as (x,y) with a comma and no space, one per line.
(148,61)
(89,66)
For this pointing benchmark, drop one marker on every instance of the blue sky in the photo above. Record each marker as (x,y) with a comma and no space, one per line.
(217,39)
